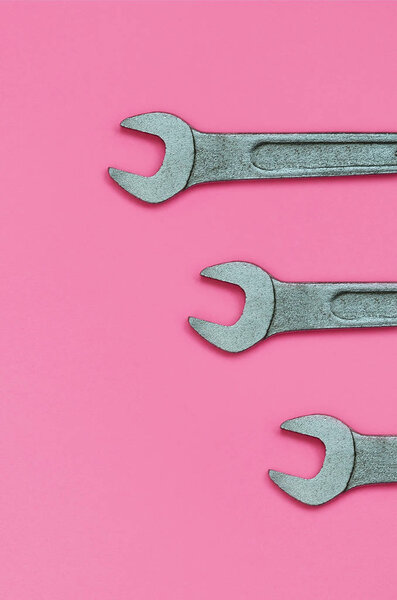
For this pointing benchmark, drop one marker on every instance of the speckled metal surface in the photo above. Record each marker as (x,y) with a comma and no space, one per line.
(194,157)
(274,306)
(351,460)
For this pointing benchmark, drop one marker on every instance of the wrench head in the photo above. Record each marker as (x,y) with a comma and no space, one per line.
(258,311)
(336,471)
(173,175)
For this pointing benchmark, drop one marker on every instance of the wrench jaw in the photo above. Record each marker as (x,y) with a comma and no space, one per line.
(254,323)
(174,173)
(336,471)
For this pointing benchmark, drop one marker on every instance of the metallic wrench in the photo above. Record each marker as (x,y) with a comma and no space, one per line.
(194,157)
(351,459)
(273,306)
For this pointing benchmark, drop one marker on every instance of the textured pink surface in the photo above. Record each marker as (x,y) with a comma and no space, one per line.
(133,455)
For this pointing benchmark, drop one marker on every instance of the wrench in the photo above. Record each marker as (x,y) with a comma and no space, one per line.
(351,460)
(194,157)
(273,306)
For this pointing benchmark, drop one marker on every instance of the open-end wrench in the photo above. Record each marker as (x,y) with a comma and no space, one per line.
(193,157)
(273,306)
(351,460)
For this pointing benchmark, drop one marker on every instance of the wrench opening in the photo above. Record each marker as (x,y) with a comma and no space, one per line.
(258,311)
(174,173)
(334,476)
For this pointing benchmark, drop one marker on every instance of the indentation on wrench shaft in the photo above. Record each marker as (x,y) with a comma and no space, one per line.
(271,156)
(365,305)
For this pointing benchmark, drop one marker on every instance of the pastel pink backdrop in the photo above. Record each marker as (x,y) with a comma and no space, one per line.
(133,455)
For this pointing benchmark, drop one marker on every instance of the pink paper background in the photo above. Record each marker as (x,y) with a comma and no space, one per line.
(133,455)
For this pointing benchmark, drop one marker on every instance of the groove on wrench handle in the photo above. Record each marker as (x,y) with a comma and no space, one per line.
(226,157)
(304,156)
(368,305)
(301,306)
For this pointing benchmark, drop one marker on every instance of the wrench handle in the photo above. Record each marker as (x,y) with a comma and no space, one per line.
(221,157)
(303,306)
(375,460)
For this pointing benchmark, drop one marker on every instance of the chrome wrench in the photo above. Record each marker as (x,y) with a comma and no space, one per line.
(194,157)
(274,306)
(351,460)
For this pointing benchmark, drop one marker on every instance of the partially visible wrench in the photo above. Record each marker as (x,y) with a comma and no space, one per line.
(351,460)
(273,306)
(194,157)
